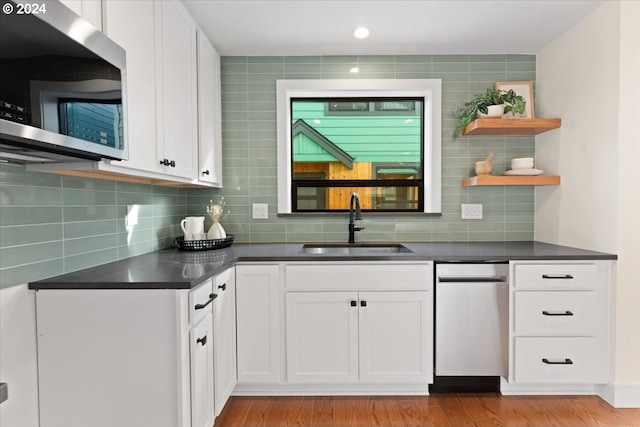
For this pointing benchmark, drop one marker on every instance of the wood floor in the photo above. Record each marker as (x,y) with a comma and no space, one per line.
(454,410)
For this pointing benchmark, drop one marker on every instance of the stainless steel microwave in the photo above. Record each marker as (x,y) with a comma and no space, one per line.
(62,87)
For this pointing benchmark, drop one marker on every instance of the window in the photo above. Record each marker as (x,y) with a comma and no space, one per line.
(379,138)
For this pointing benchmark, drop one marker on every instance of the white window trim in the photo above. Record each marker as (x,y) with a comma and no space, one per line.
(429,89)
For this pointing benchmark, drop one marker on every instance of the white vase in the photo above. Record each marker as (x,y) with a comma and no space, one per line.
(216,231)
(493,111)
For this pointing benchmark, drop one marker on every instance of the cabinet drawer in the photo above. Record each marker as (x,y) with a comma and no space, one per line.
(555,276)
(200,300)
(555,360)
(359,277)
(555,313)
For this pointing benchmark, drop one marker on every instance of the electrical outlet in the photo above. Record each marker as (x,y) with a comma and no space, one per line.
(260,211)
(471,211)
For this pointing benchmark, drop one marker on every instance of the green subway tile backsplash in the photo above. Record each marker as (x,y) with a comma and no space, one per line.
(51,224)
(249,150)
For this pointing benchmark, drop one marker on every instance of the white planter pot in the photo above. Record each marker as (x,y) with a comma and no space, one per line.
(494,111)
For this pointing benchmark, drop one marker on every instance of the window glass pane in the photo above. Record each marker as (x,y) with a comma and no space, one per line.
(376,198)
(351,146)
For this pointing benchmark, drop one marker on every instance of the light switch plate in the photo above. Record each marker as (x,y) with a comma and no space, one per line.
(471,211)
(260,211)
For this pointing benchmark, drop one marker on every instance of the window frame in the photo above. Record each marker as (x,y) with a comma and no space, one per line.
(429,90)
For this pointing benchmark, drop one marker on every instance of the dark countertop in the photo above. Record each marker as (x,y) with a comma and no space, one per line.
(176,269)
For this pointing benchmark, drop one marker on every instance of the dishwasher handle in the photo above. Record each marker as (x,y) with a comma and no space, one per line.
(472,279)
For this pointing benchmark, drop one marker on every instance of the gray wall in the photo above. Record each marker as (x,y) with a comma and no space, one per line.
(51,224)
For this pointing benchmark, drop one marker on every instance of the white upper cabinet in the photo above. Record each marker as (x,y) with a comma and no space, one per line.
(163,92)
(209,119)
(131,25)
(177,87)
(91,10)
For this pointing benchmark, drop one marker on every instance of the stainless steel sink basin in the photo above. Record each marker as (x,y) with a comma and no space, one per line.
(354,248)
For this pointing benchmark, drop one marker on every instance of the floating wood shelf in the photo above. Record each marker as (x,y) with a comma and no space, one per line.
(510,180)
(510,126)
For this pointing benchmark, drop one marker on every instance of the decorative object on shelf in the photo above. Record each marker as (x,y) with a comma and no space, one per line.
(216,211)
(523,166)
(480,103)
(203,245)
(523,89)
(484,167)
(524,172)
(192,227)
(522,163)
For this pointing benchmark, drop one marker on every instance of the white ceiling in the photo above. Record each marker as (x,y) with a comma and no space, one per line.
(398,27)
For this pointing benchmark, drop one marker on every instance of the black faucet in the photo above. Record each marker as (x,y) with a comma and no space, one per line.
(354,214)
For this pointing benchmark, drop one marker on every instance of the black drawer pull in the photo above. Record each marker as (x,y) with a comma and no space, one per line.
(354,304)
(223,287)
(202,340)
(201,306)
(557,276)
(564,362)
(558,313)
(206,172)
(363,303)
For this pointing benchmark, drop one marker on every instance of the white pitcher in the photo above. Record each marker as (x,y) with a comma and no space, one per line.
(192,227)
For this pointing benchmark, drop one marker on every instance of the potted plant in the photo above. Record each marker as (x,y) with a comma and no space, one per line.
(481,104)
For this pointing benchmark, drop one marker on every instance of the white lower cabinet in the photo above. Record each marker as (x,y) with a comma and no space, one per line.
(258,323)
(202,389)
(224,337)
(367,337)
(126,357)
(559,322)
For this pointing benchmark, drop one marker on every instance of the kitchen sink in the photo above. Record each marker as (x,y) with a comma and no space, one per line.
(354,248)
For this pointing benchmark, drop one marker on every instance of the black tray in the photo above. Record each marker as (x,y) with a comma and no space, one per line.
(203,245)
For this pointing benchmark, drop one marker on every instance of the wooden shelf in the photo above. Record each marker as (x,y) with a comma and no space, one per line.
(510,180)
(510,126)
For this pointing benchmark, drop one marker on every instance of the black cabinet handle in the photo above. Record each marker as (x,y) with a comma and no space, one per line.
(557,276)
(559,313)
(166,162)
(202,340)
(354,304)
(205,172)
(223,287)
(563,362)
(201,306)
(363,303)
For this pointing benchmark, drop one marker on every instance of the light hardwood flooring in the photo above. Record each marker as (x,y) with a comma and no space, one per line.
(452,410)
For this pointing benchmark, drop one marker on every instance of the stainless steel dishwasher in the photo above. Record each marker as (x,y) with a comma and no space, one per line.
(471,319)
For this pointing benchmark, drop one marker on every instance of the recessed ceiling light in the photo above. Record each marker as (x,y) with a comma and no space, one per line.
(361,33)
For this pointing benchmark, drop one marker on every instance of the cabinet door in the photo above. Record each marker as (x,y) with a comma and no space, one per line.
(209,119)
(91,10)
(224,333)
(131,25)
(396,336)
(322,337)
(258,323)
(176,67)
(201,351)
